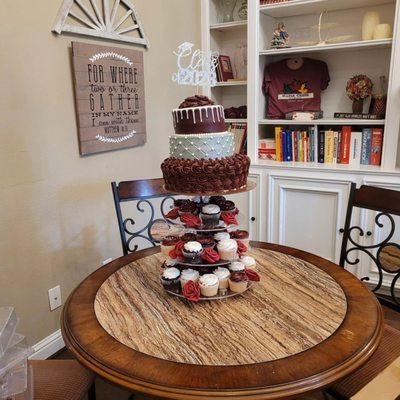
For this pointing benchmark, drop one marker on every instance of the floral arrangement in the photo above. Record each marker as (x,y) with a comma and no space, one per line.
(359,87)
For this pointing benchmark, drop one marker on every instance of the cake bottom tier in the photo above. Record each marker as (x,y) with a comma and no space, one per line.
(209,175)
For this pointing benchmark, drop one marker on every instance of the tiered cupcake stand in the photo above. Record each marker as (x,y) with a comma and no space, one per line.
(203,230)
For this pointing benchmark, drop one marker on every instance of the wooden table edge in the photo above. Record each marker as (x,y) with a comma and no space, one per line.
(291,390)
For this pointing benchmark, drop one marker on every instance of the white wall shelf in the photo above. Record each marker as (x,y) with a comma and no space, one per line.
(228,25)
(303,7)
(333,47)
(236,120)
(367,122)
(231,83)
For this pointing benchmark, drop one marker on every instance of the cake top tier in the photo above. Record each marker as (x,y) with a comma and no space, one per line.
(198,114)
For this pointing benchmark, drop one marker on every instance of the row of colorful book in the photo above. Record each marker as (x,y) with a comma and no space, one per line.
(346,146)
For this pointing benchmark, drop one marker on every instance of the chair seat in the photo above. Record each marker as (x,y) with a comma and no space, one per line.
(60,380)
(387,352)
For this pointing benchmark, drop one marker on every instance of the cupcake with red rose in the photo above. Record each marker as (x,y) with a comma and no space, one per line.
(209,284)
(192,251)
(170,279)
(210,214)
(241,235)
(187,275)
(168,244)
(227,249)
(238,282)
(223,275)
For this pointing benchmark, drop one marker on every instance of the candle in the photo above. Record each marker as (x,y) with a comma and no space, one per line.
(370,21)
(382,31)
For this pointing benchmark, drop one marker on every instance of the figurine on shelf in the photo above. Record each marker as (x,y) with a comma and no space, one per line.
(280,37)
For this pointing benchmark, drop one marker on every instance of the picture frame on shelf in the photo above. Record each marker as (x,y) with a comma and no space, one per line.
(225,70)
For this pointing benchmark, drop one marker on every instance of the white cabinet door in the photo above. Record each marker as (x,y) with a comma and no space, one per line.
(307,213)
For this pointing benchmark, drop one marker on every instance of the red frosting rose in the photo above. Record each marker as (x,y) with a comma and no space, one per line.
(210,255)
(242,248)
(229,218)
(252,275)
(173,214)
(191,221)
(177,251)
(191,291)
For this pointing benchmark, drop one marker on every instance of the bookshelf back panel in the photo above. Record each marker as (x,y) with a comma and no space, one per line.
(230,96)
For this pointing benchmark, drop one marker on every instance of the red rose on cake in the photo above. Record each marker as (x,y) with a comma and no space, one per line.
(191,291)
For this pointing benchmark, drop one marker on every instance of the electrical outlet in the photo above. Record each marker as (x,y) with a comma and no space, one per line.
(106,261)
(55,300)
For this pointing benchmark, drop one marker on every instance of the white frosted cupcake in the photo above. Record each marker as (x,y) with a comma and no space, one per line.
(221,236)
(249,262)
(238,282)
(223,275)
(210,214)
(227,249)
(189,275)
(237,266)
(192,251)
(209,284)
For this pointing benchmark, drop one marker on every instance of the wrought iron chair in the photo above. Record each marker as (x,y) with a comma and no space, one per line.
(386,257)
(143,192)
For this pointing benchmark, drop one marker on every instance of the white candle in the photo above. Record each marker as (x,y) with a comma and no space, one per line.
(382,31)
(370,21)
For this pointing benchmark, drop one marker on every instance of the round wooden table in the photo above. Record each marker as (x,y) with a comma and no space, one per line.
(306,325)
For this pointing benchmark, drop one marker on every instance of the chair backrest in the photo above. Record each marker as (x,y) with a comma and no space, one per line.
(143,192)
(385,254)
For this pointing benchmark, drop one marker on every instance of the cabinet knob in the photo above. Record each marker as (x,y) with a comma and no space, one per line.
(252,219)
(369,233)
(341,230)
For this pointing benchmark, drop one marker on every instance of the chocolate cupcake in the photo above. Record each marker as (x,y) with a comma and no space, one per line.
(238,282)
(217,200)
(188,208)
(228,206)
(170,279)
(168,244)
(180,202)
(206,242)
(192,251)
(210,214)
(189,237)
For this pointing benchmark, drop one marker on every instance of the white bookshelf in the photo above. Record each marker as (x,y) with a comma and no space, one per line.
(224,26)
(323,121)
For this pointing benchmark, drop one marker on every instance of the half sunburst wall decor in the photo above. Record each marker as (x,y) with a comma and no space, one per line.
(108,19)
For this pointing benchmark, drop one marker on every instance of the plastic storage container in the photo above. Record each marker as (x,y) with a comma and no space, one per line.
(14,371)
(8,325)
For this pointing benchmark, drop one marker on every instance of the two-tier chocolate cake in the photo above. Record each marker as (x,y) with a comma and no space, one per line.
(202,153)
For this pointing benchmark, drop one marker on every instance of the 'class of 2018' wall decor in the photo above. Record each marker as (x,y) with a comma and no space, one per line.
(110,97)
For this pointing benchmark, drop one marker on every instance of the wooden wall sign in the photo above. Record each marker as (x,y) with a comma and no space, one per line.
(110,97)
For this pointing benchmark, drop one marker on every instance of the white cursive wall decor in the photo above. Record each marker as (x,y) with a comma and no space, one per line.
(195,67)
(109,94)
(108,19)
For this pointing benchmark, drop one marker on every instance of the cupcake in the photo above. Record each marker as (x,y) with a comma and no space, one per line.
(249,262)
(206,241)
(227,249)
(221,236)
(170,279)
(168,244)
(217,200)
(171,263)
(236,266)
(223,277)
(228,206)
(188,208)
(238,282)
(243,236)
(189,275)
(209,284)
(210,214)
(180,202)
(189,237)
(192,251)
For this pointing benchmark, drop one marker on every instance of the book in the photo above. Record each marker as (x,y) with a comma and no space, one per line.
(225,68)
(293,134)
(339,148)
(376,146)
(306,148)
(278,143)
(335,147)
(355,148)
(329,145)
(366,146)
(296,146)
(345,145)
(289,146)
(321,147)
(284,146)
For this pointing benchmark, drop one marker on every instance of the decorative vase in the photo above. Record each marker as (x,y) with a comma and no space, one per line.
(370,21)
(240,10)
(358,106)
(225,11)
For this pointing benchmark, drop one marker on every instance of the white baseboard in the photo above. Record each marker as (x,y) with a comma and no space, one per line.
(48,346)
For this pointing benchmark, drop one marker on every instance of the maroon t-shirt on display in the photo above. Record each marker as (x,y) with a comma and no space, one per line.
(291,90)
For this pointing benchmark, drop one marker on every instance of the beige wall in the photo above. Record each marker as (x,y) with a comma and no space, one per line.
(57,221)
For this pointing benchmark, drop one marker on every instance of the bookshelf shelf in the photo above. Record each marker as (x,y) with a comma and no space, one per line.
(369,122)
(231,83)
(334,47)
(228,25)
(302,7)
(236,120)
